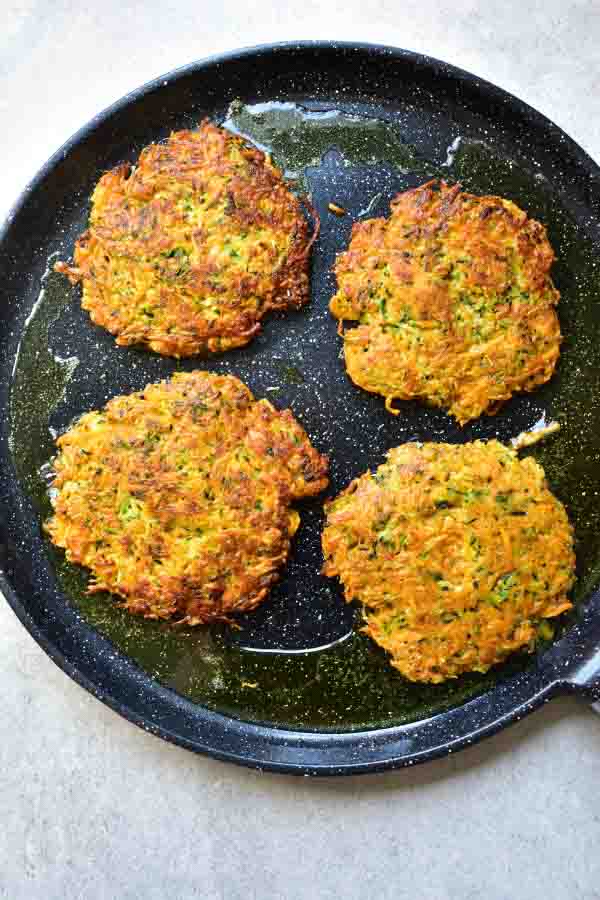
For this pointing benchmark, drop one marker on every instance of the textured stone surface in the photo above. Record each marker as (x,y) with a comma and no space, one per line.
(94,808)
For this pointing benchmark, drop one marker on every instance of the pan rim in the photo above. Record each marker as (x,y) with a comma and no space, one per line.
(294,745)
(288,737)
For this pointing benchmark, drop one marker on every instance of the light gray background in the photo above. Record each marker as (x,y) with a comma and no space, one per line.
(92,807)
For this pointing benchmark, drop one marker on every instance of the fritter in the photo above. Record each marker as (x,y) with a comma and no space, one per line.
(177,498)
(454,301)
(189,248)
(457,553)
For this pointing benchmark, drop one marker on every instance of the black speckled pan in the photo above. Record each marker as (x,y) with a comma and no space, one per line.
(298,688)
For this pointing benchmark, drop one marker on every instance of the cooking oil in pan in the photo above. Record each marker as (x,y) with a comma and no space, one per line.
(349,684)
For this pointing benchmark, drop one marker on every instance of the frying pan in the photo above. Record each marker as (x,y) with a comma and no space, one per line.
(297,688)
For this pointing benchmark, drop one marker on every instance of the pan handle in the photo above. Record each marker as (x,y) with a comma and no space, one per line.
(585,681)
(576,658)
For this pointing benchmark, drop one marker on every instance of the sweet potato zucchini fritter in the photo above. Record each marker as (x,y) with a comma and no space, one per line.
(177,498)
(454,301)
(458,553)
(187,250)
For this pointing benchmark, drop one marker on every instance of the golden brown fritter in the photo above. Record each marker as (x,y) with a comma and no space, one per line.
(454,301)
(187,250)
(177,498)
(458,554)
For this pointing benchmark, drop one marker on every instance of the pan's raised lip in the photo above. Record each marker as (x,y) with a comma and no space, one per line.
(280,47)
(536,687)
(295,743)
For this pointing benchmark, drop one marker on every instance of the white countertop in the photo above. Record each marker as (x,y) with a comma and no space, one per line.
(93,807)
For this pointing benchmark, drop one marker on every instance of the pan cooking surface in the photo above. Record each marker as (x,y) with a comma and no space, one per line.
(300,661)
